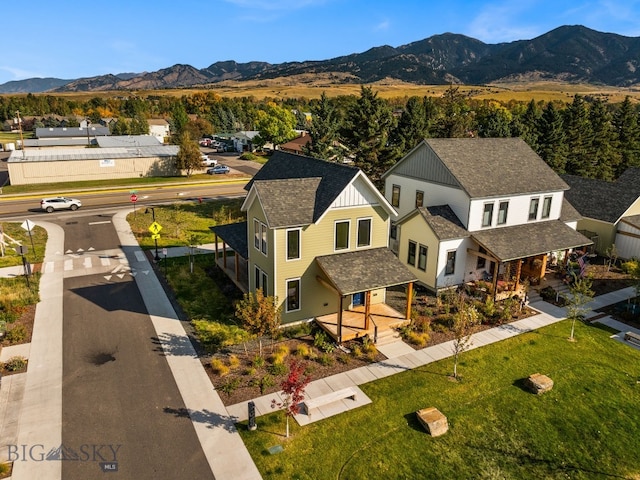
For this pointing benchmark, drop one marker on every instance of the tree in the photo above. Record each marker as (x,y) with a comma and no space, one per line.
(366,133)
(455,116)
(189,157)
(325,123)
(413,125)
(604,157)
(578,136)
(625,122)
(464,320)
(293,388)
(494,121)
(276,124)
(580,294)
(178,120)
(259,315)
(551,139)
(139,125)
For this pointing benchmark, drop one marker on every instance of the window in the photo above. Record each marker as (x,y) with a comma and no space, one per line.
(419,198)
(393,233)
(487,215)
(257,277)
(342,235)
(482,262)
(256,234)
(364,232)
(411,257)
(293,295)
(263,236)
(293,244)
(422,258)
(503,208)
(395,196)
(451,263)
(546,207)
(265,283)
(533,208)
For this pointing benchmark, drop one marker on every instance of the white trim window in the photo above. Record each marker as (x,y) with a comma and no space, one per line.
(422,257)
(419,198)
(261,280)
(533,208)
(546,207)
(341,234)
(364,232)
(395,196)
(293,243)
(293,295)
(450,267)
(256,233)
(263,239)
(411,253)
(503,209)
(487,215)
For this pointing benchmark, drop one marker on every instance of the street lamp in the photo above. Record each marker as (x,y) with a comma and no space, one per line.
(153,214)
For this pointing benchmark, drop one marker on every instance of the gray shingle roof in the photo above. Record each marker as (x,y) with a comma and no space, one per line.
(633,220)
(444,222)
(288,202)
(602,200)
(334,177)
(536,238)
(487,167)
(353,272)
(234,235)
(569,213)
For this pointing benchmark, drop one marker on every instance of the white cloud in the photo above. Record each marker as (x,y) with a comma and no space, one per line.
(382,26)
(20,74)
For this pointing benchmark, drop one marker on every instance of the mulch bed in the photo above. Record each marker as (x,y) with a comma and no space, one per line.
(26,320)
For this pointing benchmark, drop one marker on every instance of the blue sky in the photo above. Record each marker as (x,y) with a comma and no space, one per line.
(45,38)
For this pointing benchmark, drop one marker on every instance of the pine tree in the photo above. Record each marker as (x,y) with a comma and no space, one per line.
(625,121)
(325,123)
(551,140)
(366,133)
(604,155)
(578,137)
(524,125)
(493,121)
(413,125)
(455,115)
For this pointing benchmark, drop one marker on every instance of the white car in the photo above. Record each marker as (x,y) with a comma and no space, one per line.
(59,203)
(208,162)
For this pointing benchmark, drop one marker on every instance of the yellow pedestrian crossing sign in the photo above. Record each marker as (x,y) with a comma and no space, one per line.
(155,228)
(155,236)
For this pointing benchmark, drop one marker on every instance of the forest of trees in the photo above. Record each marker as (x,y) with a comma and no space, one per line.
(587,137)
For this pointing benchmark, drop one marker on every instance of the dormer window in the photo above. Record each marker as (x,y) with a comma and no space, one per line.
(533,208)
(502,213)
(546,207)
(487,215)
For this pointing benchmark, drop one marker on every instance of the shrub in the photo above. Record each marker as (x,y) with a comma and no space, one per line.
(17,334)
(277,369)
(319,339)
(265,383)
(249,156)
(214,335)
(299,330)
(548,294)
(15,364)
(219,367)
(230,386)
(258,361)
(422,324)
(302,350)
(630,266)
(234,361)
(4,468)
(250,372)
(419,339)
(344,358)
(357,351)
(326,360)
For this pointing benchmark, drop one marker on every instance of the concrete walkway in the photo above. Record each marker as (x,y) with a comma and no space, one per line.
(400,359)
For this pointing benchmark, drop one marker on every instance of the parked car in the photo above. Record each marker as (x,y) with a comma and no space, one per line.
(208,162)
(218,169)
(59,203)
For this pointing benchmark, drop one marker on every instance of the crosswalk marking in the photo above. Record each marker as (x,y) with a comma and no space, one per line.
(68,265)
(48,267)
(87,262)
(105,261)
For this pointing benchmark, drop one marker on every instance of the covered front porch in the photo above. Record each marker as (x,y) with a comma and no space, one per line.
(519,254)
(356,278)
(234,264)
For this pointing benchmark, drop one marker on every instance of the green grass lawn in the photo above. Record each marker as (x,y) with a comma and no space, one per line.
(183,221)
(16,232)
(587,427)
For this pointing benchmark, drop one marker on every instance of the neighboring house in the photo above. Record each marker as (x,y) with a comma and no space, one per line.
(316,238)
(295,145)
(243,141)
(159,127)
(478,208)
(610,211)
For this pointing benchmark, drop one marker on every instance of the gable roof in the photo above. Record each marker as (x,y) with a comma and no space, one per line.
(482,167)
(603,200)
(329,180)
(443,221)
(276,195)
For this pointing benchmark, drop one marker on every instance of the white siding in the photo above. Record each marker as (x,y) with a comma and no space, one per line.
(518,212)
(626,245)
(356,194)
(460,247)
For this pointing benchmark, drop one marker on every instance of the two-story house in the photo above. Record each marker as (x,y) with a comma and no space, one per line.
(316,238)
(477,208)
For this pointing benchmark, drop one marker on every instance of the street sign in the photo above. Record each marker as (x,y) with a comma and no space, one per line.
(134,197)
(164,252)
(21,250)
(155,236)
(155,228)
(28,225)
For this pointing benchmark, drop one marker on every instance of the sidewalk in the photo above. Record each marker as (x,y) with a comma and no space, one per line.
(400,360)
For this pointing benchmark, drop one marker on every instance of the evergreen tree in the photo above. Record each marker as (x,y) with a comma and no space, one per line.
(178,120)
(625,122)
(551,140)
(413,126)
(604,154)
(455,117)
(578,136)
(366,133)
(524,124)
(493,121)
(325,122)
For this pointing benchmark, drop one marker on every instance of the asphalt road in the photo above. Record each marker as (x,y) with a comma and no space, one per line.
(119,400)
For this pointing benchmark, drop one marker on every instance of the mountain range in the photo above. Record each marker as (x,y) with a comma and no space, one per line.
(569,54)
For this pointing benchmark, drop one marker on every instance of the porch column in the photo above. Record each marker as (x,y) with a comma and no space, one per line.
(224,255)
(409,297)
(367,309)
(340,320)
(237,266)
(518,272)
(215,236)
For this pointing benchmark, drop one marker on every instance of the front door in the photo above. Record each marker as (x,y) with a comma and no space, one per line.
(357,299)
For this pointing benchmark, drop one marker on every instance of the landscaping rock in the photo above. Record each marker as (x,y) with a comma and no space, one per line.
(433,421)
(538,383)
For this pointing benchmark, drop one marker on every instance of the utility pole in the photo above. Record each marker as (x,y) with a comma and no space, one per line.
(20,127)
(88,122)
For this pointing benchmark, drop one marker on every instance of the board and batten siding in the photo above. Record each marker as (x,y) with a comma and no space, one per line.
(31,172)
(628,241)
(606,232)
(256,257)
(318,240)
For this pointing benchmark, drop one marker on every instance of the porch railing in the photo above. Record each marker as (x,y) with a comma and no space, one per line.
(375,329)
